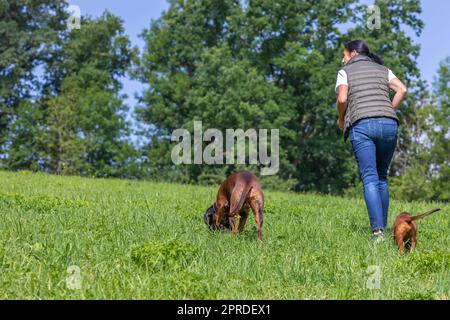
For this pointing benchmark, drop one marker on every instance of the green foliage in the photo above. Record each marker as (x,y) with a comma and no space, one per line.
(29,32)
(160,255)
(276,184)
(42,203)
(24,149)
(231,64)
(413,184)
(431,262)
(264,64)
(145,240)
(79,126)
(428,175)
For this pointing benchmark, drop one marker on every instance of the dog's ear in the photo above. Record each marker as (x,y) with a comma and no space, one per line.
(212,210)
(208,216)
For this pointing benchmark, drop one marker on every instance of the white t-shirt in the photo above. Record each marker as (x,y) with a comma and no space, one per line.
(342,78)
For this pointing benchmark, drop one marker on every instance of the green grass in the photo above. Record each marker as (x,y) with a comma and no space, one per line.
(142,240)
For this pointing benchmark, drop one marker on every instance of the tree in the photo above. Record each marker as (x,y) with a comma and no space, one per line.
(428,176)
(263,64)
(29,35)
(83,128)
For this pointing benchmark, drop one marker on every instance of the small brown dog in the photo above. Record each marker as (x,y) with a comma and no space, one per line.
(405,229)
(237,194)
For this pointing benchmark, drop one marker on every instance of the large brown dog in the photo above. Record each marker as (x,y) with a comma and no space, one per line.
(405,229)
(237,194)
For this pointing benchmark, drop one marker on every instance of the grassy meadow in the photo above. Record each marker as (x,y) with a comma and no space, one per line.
(78,238)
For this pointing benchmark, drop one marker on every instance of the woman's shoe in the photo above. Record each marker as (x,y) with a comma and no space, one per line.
(378,236)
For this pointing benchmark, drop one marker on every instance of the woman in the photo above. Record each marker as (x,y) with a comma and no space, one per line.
(368,116)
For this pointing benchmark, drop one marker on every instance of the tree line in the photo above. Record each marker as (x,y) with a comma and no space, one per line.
(228,63)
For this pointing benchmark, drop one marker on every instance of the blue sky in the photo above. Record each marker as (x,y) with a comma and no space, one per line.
(138,13)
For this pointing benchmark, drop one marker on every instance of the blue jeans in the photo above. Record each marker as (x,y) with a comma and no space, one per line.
(374,141)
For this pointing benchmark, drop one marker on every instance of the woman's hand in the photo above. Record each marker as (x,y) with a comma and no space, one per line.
(342,105)
(340,123)
(400,92)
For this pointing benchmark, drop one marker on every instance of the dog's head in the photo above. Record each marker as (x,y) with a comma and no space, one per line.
(210,217)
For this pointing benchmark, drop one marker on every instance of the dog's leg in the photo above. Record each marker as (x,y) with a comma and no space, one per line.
(219,215)
(257,212)
(401,246)
(413,237)
(413,244)
(260,205)
(413,240)
(234,207)
(233,224)
(243,220)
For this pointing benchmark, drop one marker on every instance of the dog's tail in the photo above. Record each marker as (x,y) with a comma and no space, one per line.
(423,215)
(235,207)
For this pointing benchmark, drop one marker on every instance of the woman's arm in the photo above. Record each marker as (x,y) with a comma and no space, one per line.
(400,92)
(342,104)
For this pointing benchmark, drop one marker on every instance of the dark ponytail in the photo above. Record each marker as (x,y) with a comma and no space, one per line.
(362,48)
(375,58)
